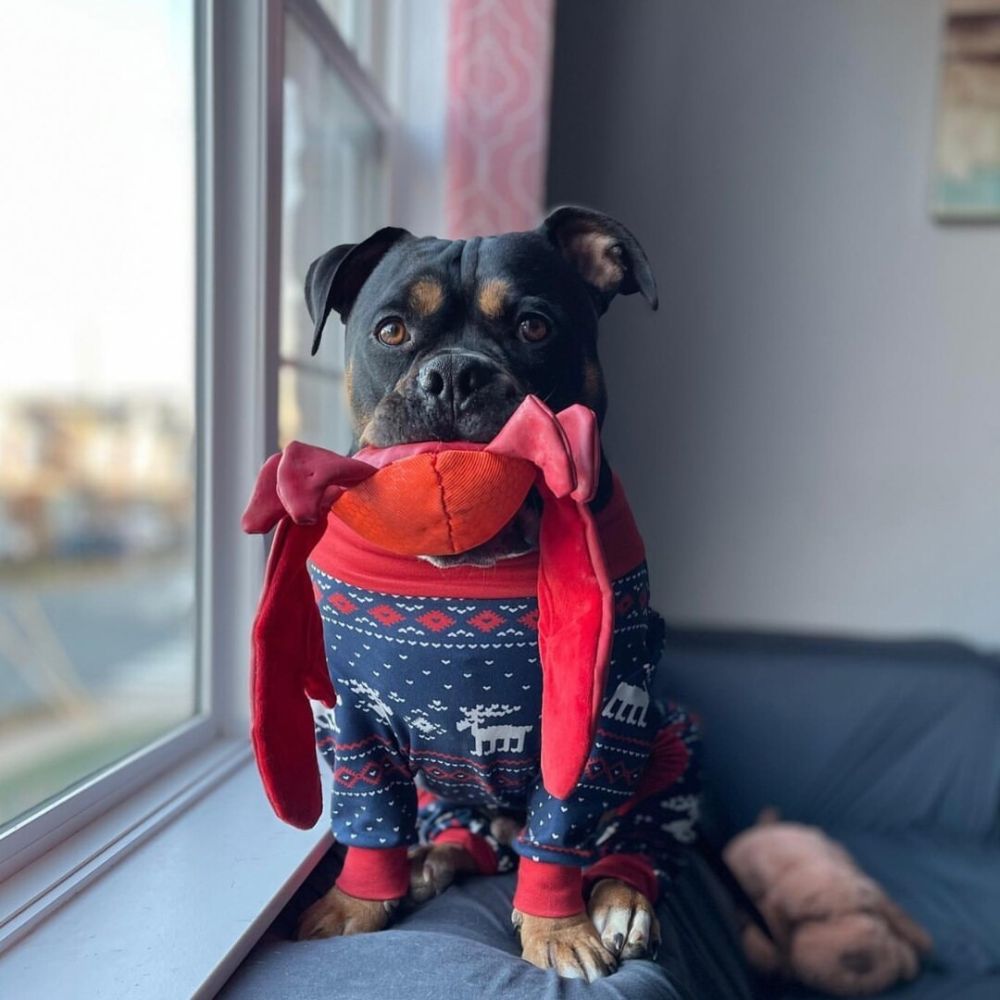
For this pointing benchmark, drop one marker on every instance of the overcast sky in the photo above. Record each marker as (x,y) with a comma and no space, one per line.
(97,197)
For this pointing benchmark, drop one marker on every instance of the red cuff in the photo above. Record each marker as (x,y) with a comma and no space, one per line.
(375,874)
(547,890)
(632,869)
(482,854)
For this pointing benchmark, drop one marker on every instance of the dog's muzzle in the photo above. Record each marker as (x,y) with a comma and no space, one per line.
(452,379)
(452,395)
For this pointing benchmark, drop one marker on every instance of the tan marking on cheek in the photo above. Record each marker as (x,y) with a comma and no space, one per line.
(492,297)
(360,417)
(426,296)
(366,427)
(356,412)
(349,385)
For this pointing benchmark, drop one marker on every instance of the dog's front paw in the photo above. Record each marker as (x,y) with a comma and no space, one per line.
(339,914)
(570,945)
(433,867)
(624,919)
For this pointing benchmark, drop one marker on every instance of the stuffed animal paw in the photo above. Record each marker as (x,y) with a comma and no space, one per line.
(833,928)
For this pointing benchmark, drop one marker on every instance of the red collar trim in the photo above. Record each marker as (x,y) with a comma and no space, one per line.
(344,554)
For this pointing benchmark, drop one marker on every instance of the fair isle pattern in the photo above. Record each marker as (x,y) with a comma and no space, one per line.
(450,689)
(499,72)
(447,623)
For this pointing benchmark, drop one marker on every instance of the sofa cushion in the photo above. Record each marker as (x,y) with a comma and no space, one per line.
(878,736)
(461,945)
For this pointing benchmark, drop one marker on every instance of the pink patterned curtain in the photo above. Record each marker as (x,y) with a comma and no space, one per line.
(499,72)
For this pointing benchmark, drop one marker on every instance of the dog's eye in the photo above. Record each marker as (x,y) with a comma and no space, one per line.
(532,328)
(393,332)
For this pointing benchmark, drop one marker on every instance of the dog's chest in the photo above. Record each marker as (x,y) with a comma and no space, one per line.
(452,688)
(459,676)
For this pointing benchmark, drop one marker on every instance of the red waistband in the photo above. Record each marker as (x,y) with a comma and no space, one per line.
(347,556)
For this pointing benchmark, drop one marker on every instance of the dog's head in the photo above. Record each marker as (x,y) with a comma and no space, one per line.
(446,337)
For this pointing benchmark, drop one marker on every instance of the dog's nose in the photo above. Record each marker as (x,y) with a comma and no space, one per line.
(453,378)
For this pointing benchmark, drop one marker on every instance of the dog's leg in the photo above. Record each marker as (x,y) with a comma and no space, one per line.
(369,887)
(433,867)
(655,823)
(337,914)
(570,945)
(625,920)
(457,840)
(551,919)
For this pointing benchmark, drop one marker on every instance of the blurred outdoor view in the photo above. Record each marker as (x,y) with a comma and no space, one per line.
(97,281)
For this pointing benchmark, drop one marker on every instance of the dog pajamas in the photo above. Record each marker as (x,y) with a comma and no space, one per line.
(446,693)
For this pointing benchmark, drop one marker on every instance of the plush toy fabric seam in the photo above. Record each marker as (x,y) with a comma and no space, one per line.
(444,503)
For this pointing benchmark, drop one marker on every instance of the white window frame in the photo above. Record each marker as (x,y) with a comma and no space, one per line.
(49,858)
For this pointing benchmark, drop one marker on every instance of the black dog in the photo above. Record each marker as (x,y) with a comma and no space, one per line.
(445,338)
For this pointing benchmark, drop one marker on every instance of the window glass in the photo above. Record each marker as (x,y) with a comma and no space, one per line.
(333,192)
(364,27)
(97,268)
(312,407)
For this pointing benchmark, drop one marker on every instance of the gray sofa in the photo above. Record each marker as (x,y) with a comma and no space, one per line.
(892,747)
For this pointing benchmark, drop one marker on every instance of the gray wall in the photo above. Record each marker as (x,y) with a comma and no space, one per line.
(809,427)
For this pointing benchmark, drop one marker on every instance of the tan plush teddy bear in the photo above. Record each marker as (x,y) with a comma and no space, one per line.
(834,929)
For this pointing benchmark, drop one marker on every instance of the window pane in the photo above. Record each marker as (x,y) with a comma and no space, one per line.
(96,387)
(333,185)
(364,26)
(312,408)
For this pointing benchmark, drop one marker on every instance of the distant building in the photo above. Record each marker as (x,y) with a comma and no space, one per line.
(81,478)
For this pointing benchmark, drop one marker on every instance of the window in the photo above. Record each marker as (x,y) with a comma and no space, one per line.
(170,169)
(334,190)
(364,26)
(97,389)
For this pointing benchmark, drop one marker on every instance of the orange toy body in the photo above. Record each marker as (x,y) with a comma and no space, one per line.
(437,502)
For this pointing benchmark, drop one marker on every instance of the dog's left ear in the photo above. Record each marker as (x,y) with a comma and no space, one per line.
(603,252)
(334,280)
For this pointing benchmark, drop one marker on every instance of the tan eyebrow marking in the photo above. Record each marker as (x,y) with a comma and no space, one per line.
(492,297)
(426,296)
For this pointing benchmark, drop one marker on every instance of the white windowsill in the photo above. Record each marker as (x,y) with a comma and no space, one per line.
(167,908)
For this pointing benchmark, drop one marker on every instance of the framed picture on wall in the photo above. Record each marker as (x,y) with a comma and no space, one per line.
(966,183)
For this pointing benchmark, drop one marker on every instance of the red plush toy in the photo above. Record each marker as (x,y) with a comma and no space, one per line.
(431,499)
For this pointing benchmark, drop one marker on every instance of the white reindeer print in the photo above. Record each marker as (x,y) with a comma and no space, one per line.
(493,739)
(628,704)
(370,700)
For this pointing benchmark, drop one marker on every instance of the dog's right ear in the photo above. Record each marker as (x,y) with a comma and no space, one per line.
(603,252)
(334,280)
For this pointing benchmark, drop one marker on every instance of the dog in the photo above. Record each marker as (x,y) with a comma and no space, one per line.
(444,340)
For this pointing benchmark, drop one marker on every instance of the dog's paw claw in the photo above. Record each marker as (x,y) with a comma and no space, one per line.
(568,945)
(624,919)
